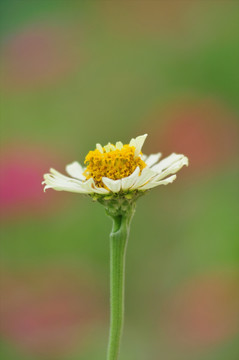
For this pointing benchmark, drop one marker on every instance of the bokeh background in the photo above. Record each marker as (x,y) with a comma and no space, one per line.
(74,73)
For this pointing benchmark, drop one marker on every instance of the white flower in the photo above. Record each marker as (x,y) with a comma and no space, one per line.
(117,169)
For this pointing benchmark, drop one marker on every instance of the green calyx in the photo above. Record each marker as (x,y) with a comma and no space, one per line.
(118,204)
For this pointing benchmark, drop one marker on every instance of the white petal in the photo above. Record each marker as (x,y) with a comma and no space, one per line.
(152,159)
(60,182)
(173,169)
(145,176)
(113,185)
(59,175)
(152,184)
(168,161)
(119,145)
(99,147)
(99,190)
(75,170)
(167,181)
(129,181)
(90,187)
(138,143)
(46,186)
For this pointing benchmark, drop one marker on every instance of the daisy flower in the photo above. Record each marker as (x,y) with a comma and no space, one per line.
(115,176)
(117,169)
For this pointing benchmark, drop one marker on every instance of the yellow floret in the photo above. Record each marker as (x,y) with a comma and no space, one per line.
(114,164)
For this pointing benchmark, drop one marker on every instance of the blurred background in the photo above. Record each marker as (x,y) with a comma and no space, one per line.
(74,73)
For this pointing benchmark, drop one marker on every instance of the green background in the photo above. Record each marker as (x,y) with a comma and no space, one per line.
(75,73)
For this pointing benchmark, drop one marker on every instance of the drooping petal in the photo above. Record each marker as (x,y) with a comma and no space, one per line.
(112,185)
(152,184)
(138,143)
(152,159)
(75,170)
(130,180)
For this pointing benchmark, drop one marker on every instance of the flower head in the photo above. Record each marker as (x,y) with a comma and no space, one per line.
(117,169)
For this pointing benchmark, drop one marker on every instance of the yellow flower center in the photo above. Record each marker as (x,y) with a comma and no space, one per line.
(114,164)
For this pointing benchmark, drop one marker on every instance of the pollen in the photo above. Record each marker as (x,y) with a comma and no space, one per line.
(112,162)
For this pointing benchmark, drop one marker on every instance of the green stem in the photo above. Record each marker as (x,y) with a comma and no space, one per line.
(118,244)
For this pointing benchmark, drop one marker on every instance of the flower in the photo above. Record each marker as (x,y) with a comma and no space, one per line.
(117,169)
(115,176)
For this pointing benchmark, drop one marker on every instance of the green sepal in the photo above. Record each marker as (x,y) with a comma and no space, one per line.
(118,204)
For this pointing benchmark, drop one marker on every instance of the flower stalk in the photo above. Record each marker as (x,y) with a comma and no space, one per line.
(118,245)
